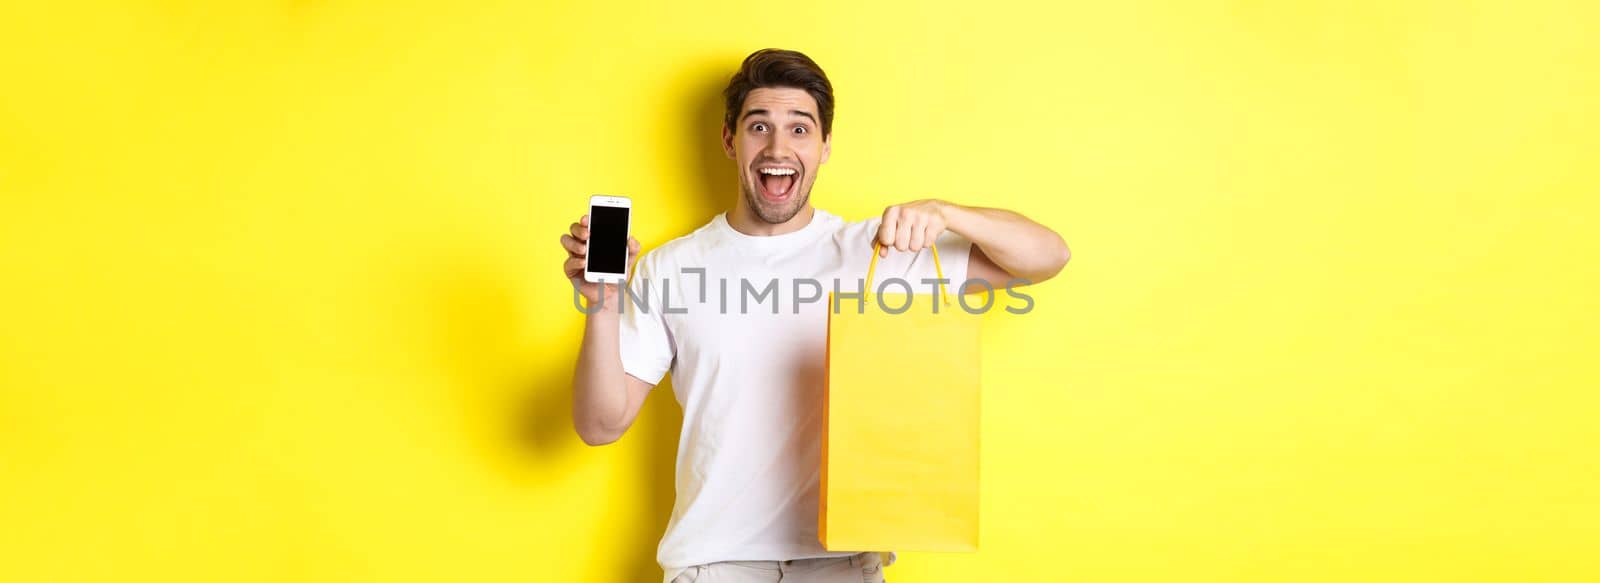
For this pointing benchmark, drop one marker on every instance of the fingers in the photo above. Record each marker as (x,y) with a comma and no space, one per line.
(908,228)
(574,247)
(633,246)
(891,220)
(576,242)
(886,228)
(902,236)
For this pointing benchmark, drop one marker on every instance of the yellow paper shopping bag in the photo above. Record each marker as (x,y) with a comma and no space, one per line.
(900,423)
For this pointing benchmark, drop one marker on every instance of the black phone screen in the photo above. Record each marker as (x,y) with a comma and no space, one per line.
(608,239)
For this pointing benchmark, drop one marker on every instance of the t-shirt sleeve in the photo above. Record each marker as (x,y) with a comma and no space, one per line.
(643,336)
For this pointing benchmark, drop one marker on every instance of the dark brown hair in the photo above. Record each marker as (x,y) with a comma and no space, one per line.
(779,68)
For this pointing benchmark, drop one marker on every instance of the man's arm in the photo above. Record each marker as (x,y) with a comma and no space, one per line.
(1005,245)
(605,400)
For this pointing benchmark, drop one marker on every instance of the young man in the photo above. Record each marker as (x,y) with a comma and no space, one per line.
(745,353)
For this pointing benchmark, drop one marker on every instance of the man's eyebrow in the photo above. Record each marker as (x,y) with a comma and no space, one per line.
(805,113)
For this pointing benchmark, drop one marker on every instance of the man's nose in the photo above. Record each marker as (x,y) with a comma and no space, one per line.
(778,146)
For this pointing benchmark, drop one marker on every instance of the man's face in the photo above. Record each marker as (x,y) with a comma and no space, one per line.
(778,144)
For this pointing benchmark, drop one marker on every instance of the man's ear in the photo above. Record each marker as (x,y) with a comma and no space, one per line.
(727,142)
(827,147)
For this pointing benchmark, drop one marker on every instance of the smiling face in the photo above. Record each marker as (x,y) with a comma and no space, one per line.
(778,144)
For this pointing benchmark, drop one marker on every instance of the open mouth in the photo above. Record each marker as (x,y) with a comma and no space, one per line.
(777,182)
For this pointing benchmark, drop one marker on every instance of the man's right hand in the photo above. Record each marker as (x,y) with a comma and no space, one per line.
(577,245)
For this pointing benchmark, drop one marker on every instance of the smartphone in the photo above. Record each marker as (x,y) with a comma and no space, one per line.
(609,218)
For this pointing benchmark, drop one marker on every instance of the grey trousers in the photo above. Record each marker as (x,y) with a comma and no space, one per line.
(862,567)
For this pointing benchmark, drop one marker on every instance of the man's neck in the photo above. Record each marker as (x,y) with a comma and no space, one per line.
(744,220)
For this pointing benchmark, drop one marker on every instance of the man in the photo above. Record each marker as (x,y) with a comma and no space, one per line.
(748,373)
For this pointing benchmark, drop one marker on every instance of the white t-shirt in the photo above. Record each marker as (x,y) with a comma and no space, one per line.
(747,367)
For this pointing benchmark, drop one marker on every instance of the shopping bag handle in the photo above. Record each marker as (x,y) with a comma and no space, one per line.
(937,270)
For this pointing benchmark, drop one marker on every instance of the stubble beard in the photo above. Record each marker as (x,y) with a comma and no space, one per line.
(775,214)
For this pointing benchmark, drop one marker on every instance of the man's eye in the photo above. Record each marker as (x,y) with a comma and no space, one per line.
(800,129)
(758,127)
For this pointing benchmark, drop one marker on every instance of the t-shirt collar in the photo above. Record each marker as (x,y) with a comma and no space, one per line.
(802,236)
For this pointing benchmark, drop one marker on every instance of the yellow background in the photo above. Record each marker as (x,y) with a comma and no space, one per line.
(281,303)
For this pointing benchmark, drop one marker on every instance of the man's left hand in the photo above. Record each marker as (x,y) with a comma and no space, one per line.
(913,226)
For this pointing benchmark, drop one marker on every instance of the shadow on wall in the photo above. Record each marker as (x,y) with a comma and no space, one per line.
(515,406)
(481,310)
(716,181)
(545,425)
